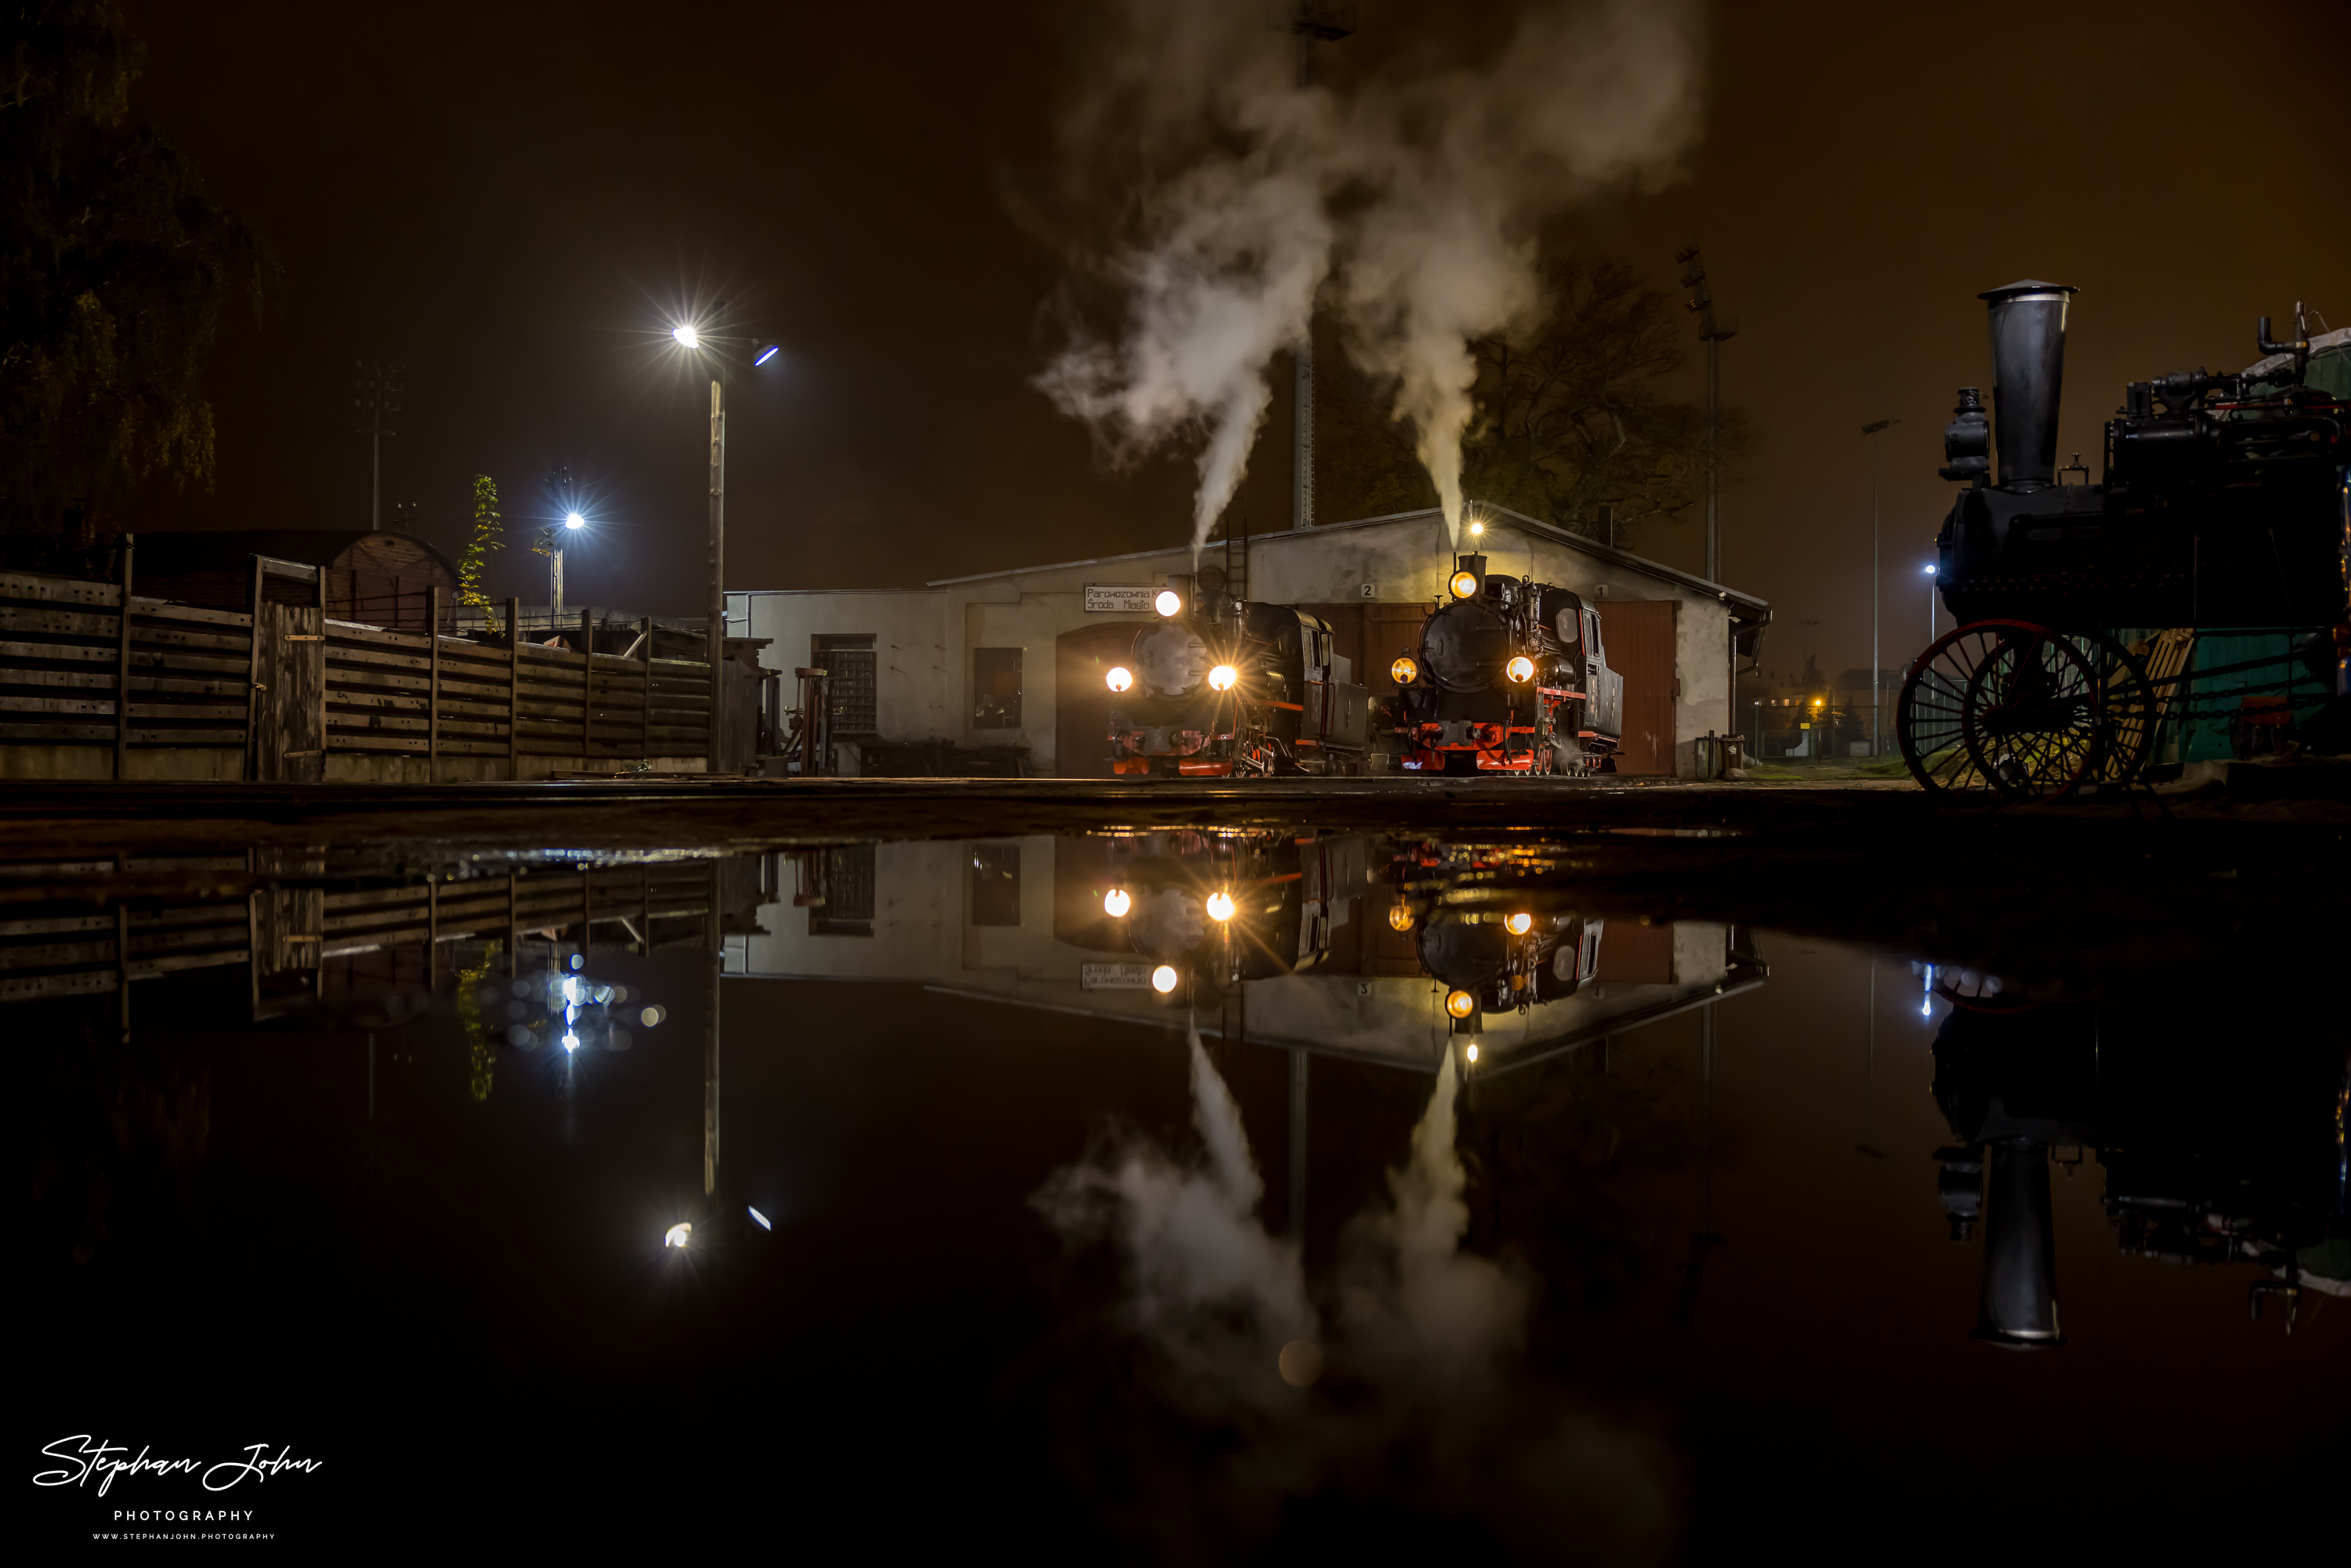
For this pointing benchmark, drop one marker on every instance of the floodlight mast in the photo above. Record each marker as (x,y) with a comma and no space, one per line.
(1713,335)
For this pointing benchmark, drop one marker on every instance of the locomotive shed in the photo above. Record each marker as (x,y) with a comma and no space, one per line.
(1009,665)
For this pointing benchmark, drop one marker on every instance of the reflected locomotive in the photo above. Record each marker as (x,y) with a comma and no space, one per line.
(1491,956)
(1511,677)
(1221,687)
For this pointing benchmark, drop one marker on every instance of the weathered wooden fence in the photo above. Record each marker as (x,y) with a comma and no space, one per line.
(88,690)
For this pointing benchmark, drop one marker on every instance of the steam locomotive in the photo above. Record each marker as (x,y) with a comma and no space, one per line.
(1489,956)
(1511,677)
(1221,687)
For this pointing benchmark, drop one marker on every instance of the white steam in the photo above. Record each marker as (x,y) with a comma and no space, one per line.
(1236,197)
(1419,1344)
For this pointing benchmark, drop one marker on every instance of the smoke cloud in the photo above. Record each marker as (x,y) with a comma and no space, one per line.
(1409,1393)
(1236,202)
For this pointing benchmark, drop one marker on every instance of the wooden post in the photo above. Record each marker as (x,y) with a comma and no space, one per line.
(587,686)
(513,688)
(645,684)
(513,936)
(433,697)
(122,675)
(253,694)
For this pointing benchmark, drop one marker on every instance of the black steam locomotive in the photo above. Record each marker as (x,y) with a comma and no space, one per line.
(1511,677)
(2222,509)
(1223,686)
(1491,952)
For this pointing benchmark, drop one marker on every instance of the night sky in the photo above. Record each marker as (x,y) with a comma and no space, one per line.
(516,201)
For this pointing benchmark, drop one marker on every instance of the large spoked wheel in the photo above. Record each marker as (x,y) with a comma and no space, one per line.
(2000,708)
(2127,716)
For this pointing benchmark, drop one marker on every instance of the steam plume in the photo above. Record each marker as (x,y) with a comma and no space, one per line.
(1234,198)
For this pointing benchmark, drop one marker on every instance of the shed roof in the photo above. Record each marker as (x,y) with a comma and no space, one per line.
(1743,606)
(197,549)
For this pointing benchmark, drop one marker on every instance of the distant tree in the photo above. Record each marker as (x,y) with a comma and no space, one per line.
(114,262)
(481,1038)
(1569,415)
(489,534)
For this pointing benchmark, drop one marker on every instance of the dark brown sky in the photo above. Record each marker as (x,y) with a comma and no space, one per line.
(513,199)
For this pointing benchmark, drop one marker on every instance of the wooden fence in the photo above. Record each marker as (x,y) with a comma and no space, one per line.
(105,691)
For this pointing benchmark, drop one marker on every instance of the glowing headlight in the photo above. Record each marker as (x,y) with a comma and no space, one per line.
(1520,669)
(1163,979)
(1464,585)
(1472,1052)
(1400,918)
(1220,906)
(1406,672)
(678,1235)
(1519,924)
(1223,677)
(1460,1004)
(1168,602)
(1120,678)
(1115,903)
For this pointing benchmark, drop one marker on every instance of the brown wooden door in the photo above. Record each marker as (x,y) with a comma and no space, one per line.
(1632,954)
(1638,634)
(1388,630)
(1082,702)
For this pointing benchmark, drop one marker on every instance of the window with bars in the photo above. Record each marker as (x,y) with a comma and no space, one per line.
(851,660)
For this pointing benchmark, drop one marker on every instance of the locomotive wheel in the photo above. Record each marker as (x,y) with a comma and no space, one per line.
(2000,708)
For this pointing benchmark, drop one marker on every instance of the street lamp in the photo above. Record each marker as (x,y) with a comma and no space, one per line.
(694,339)
(1876,697)
(1931,586)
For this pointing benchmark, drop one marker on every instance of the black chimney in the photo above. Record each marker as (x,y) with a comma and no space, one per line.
(2020,1271)
(2028,378)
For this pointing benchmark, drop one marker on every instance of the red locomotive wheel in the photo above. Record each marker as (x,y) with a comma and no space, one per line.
(2000,708)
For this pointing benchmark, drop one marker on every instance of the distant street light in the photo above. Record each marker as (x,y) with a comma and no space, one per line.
(770,353)
(574,520)
(1931,586)
(686,336)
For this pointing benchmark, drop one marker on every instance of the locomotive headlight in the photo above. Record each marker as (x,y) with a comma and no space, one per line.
(1163,979)
(1520,669)
(1460,1004)
(1223,677)
(1220,906)
(1168,602)
(1464,585)
(1120,678)
(1519,924)
(1406,672)
(1400,917)
(1470,1055)
(1115,903)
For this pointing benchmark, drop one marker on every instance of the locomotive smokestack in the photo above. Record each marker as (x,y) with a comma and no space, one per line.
(2028,378)
(2020,1271)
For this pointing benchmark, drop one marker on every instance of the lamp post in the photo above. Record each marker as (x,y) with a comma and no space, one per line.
(1876,696)
(1931,585)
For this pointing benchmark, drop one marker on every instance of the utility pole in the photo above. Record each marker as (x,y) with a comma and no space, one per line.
(372,395)
(1876,697)
(1713,335)
(717,632)
(1309,20)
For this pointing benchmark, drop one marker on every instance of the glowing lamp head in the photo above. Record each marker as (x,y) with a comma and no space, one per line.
(1404,671)
(1477,530)
(1460,1004)
(570,1042)
(1224,677)
(1221,905)
(1400,917)
(1520,669)
(1519,924)
(761,1220)
(687,338)
(1163,979)
(1115,903)
(1464,585)
(574,520)
(770,353)
(1120,678)
(1929,569)
(1168,602)
(678,1235)
(1472,1053)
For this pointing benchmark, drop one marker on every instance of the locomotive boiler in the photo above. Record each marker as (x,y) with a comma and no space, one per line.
(1221,687)
(1511,677)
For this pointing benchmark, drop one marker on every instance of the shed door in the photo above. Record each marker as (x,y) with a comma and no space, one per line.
(1081,700)
(1638,636)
